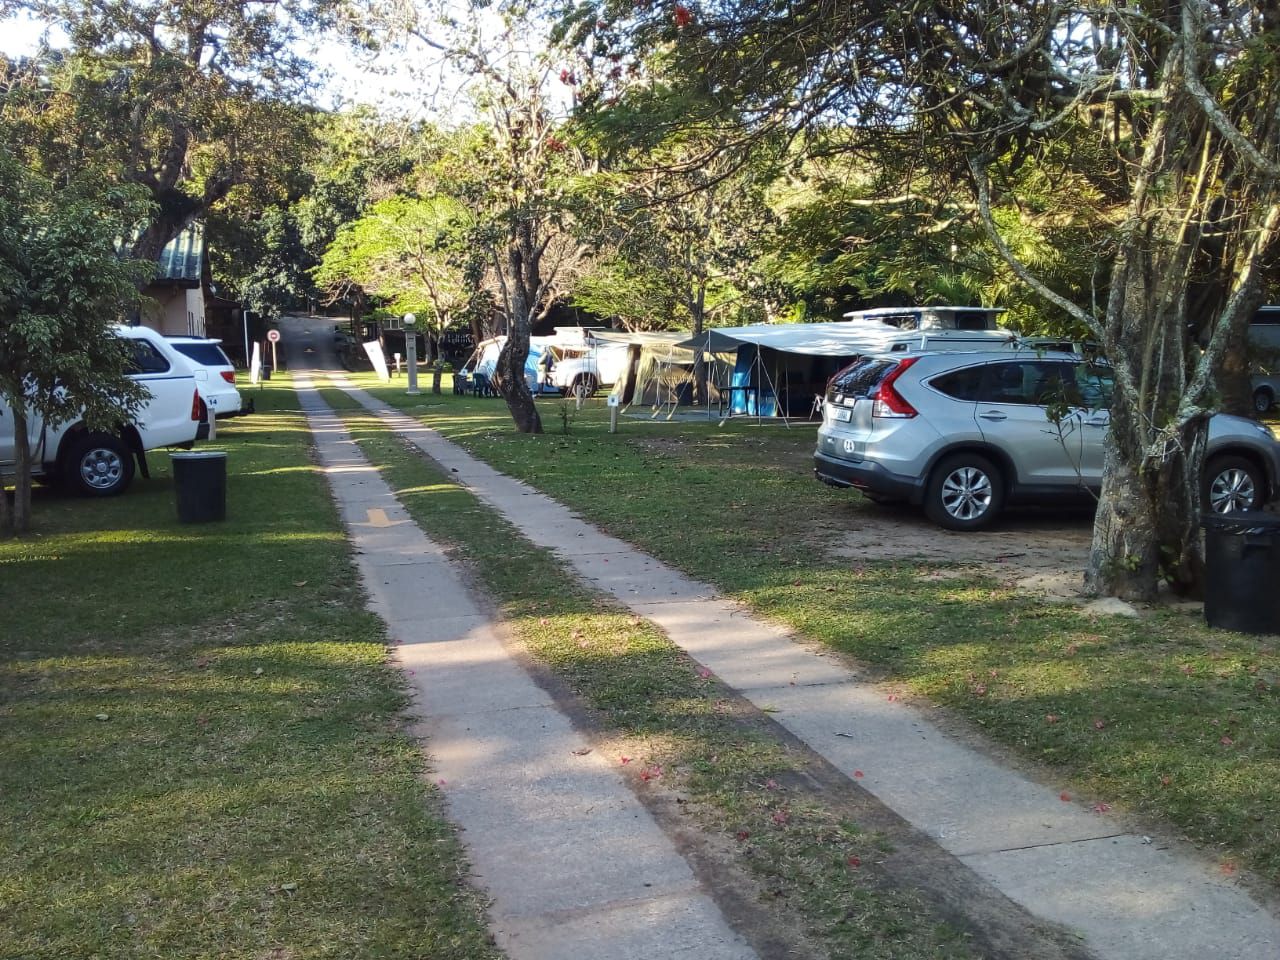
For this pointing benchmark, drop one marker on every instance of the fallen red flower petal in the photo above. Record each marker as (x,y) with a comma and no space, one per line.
(855,862)
(742,835)
(1101,807)
(857,774)
(1099,724)
(1051,718)
(1226,741)
(781,817)
(625,760)
(684,16)
(1064,797)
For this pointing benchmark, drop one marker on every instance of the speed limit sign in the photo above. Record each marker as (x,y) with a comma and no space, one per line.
(273,336)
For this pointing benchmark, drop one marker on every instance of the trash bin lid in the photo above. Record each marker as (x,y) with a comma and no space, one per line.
(1241,522)
(198,455)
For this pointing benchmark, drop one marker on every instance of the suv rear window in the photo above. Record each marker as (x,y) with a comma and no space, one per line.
(960,384)
(206,354)
(862,377)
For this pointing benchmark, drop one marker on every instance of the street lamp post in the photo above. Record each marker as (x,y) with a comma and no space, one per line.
(411,353)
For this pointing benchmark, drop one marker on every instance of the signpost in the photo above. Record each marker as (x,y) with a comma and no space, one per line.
(613,413)
(244,317)
(274,337)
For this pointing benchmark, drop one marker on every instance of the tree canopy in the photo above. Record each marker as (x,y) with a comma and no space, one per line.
(1153,124)
(187,101)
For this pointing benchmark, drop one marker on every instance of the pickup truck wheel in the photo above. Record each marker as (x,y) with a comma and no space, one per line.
(965,492)
(1262,400)
(99,465)
(1231,484)
(585,385)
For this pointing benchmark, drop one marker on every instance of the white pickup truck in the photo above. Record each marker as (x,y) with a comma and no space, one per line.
(588,367)
(101,464)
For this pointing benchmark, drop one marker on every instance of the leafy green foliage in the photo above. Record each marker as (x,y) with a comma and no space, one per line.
(187,101)
(63,287)
(406,251)
(265,243)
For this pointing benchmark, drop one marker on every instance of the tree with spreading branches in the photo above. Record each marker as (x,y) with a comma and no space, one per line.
(186,100)
(517,175)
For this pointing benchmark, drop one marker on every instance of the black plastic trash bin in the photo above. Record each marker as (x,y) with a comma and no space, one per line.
(1242,571)
(200,479)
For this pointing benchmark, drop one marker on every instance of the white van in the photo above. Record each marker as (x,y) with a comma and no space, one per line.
(100,464)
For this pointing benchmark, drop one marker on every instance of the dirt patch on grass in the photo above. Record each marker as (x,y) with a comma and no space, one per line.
(1036,552)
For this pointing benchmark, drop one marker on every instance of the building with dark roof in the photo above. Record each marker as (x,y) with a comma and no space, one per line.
(176,297)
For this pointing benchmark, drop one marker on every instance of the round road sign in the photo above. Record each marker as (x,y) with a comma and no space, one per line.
(273,336)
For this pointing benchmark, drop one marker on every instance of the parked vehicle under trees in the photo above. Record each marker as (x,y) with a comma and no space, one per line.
(1157,121)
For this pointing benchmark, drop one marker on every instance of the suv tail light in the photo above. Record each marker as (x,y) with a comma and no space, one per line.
(229,376)
(888,401)
(195,405)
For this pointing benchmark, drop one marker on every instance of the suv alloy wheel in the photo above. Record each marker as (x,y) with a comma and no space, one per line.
(965,492)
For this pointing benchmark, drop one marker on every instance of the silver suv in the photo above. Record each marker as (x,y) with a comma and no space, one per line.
(965,434)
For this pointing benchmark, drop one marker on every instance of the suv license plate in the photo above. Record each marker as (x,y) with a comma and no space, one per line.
(843,414)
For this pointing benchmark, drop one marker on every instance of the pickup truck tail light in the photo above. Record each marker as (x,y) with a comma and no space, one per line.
(195,405)
(889,402)
(229,376)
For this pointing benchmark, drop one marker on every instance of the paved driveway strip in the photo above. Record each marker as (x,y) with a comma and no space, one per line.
(1128,898)
(574,864)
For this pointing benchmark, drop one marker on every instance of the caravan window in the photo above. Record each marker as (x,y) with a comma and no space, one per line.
(1268,316)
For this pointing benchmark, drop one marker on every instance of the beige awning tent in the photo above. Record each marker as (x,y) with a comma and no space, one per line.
(658,373)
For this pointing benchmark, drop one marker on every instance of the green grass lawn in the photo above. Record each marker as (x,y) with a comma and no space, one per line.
(200,753)
(1161,717)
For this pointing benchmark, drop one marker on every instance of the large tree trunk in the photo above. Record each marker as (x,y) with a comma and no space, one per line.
(1235,386)
(510,381)
(6,512)
(22,471)
(511,360)
(1147,525)
(698,310)
(1124,558)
